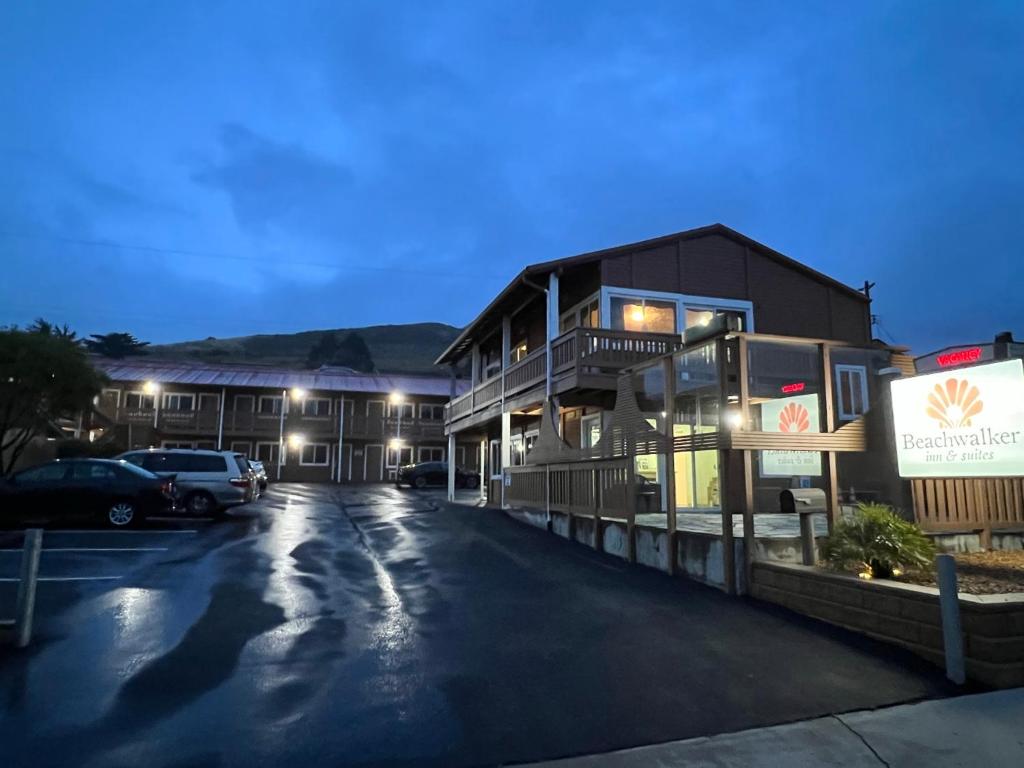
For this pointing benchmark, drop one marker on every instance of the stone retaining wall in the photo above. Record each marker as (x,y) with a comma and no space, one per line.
(905,615)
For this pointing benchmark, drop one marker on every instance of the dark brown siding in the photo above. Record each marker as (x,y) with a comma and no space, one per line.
(787,300)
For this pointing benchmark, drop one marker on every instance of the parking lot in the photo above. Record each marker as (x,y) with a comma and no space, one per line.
(371,626)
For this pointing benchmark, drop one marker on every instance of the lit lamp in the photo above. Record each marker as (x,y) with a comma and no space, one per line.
(298,393)
(733,419)
(151,388)
(295,440)
(637,313)
(396,400)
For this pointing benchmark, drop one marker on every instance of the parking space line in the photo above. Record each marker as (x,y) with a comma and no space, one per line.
(89,549)
(111,532)
(64,578)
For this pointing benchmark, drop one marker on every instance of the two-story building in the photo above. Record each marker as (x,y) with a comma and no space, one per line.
(331,424)
(700,372)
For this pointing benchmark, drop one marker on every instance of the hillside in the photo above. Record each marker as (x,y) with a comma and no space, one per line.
(408,348)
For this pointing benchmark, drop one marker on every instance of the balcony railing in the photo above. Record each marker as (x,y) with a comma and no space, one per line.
(582,351)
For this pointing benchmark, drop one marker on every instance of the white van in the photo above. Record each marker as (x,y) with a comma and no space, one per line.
(207,481)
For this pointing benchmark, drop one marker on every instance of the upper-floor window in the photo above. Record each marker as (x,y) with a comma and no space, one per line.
(431,412)
(586,314)
(698,316)
(138,400)
(314,455)
(174,401)
(518,352)
(269,405)
(638,313)
(851,391)
(316,406)
(401,410)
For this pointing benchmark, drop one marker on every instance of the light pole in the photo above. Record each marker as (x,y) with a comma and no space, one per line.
(152,388)
(397,400)
(297,394)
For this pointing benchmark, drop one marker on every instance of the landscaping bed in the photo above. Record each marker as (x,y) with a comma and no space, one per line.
(984,573)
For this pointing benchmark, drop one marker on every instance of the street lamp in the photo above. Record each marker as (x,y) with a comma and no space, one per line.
(396,400)
(296,440)
(152,388)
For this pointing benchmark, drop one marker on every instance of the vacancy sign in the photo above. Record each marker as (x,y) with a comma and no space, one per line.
(793,415)
(967,422)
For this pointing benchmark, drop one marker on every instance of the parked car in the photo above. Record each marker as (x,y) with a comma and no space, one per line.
(208,481)
(434,473)
(114,492)
(261,474)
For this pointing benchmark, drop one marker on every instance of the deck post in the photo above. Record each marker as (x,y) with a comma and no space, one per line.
(631,509)
(669,460)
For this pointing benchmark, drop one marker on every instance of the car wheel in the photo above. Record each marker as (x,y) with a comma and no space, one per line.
(472,481)
(200,504)
(121,514)
(420,482)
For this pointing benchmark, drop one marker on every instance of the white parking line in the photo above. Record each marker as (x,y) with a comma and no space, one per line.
(65,578)
(145,533)
(89,549)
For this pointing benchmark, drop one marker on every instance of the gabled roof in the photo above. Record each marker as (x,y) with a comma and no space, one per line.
(262,376)
(458,347)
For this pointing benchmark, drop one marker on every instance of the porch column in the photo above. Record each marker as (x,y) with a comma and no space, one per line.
(483,469)
(749,544)
(220,419)
(451,466)
(831,472)
(669,459)
(341,437)
(506,449)
(552,297)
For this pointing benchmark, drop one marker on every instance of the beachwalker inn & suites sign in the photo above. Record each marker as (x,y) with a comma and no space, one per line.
(967,422)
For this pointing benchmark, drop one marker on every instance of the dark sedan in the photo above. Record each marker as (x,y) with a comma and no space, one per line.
(434,473)
(112,492)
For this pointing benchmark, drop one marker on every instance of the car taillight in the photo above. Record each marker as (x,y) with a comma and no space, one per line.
(239,482)
(168,489)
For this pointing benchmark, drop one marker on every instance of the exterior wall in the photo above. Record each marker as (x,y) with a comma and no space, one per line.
(367,429)
(905,615)
(787,301)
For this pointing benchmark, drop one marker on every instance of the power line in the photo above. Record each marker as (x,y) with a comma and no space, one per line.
(440,273)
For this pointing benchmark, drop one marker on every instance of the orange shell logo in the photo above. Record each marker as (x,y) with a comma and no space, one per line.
(794,418)
(954,403)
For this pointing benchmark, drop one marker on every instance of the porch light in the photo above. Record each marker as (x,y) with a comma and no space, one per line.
(296,440)
(395,444)
(150,388)
(298,393)
(733,419)
(397,398)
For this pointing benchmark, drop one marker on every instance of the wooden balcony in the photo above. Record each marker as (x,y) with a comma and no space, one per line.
(581,358)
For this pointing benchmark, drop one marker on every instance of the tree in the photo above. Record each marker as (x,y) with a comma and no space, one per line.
(323,351)
(43,378)
(352,352)
(115,345)
(47,328)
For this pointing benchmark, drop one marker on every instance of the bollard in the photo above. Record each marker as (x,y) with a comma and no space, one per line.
(26,604)
(949,602)
(810,551)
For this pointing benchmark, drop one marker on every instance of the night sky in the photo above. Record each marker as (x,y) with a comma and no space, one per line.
(187,169)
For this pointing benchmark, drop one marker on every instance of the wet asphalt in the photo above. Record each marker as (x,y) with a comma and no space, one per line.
(371,626)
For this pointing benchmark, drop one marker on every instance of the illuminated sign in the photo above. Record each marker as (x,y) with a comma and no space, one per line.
(795,414)
(965,423)
(959,357)
(791,388)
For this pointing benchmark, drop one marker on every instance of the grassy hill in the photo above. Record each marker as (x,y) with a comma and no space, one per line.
(395,348)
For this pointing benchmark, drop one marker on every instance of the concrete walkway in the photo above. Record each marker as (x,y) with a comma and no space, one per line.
(980,730)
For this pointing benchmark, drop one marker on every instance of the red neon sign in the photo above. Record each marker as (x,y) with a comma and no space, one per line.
(959,357)
(796,387)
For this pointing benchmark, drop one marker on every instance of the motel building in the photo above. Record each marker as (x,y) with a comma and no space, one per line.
(331,424)
(655,400)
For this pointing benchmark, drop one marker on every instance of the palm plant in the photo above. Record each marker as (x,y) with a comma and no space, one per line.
(878,543)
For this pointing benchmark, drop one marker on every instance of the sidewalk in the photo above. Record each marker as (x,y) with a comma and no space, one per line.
(982,730)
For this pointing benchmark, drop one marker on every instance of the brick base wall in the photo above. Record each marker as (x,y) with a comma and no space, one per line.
(905,615)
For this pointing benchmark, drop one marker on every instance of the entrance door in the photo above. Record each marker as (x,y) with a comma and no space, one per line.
(373,460)
(346,463)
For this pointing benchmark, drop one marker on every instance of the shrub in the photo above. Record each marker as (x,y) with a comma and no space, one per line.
(877,542)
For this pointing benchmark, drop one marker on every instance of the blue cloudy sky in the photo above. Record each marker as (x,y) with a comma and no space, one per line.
(185,169)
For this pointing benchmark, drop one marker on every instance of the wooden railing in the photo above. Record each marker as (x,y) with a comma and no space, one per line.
(583,350)
(590,488)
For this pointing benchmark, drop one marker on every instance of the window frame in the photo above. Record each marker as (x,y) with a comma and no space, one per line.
(397,453)
(842,412)
(275,447)
(274,413)
(167,396)
(307,400)
(232,446)
(590,417)
(327,455)
(432,406)
(142,398)
(573,313)
(683,302)
(423,448)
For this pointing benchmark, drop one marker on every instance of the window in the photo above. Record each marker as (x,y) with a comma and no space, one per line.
(403,411)
(852,391)
(399,457)
(696,316)
(316,406)
(490,364)
(495,458)
(267,452)
(431,454)
(431,412)
(518,352)
(590,430)
(111,397)
(48,473)
(174,401)
(241,446)
(586,314)
(643,314)
(315,455)
(244,403)
(270,405)
(517,450)
(530,441)
(139,401)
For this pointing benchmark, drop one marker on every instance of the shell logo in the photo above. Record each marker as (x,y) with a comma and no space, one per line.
(794,418)
(954,403)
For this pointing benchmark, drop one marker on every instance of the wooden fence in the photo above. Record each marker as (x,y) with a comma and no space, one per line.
(969,504)
(600,489)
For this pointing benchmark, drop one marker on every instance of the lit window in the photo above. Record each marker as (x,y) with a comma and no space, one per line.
(518,352)
(643,315)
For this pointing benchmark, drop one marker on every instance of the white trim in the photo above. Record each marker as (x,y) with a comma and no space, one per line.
(490,459)
(383,408)
(179,395)
(270,459)
(862,371)
(259,406)
(327,451)
(117,400)
(683,302)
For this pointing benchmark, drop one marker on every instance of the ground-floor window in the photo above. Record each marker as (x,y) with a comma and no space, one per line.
(206,445)
(517,452)
(431,453)
(242,446)
(696,480)
(398,457)
(177,444)
(315,455)
(267,452)
(495,458)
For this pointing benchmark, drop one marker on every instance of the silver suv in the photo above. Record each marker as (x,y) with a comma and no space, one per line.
(207,481)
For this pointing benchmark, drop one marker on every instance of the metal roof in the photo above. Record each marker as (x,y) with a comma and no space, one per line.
(258,376)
